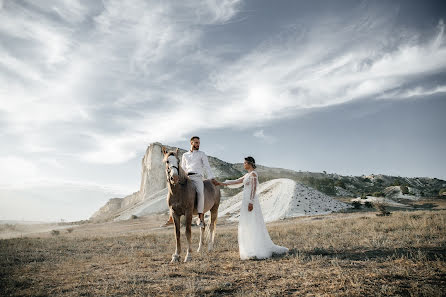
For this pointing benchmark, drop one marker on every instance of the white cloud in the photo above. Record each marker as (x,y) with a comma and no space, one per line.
(48,40)
(272,82)
(307,77)
(222,10)
(39,85)
(140,72)
(261,135)
(414,92)
(17,170)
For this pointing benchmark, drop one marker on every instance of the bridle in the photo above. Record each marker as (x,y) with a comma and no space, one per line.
(169,167)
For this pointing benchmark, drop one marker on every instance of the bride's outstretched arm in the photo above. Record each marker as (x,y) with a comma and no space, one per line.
(233,182)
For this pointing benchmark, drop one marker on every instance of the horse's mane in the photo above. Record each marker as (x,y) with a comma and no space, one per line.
(183,175)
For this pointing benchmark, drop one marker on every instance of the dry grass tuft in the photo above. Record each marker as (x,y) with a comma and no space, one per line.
(55,232)
(381,207)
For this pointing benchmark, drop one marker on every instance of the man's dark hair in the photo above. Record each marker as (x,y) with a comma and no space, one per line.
(193,137)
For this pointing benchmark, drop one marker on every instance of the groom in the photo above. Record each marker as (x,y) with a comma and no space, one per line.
(194,162)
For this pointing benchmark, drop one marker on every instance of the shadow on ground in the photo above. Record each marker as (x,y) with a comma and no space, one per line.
(428,253)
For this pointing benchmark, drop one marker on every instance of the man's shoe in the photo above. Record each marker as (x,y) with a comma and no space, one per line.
(168,223)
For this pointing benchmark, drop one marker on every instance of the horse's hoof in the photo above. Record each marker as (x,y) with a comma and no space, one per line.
(199,249)
(175,258)
(188,258)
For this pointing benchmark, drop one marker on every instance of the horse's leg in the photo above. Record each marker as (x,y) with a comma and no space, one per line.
(188,236)
(200,243)
(212,227)
(176,256)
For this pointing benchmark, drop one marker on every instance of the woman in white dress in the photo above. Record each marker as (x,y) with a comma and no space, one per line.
(253,237)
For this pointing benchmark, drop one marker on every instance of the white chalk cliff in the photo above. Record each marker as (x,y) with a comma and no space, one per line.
(153,180)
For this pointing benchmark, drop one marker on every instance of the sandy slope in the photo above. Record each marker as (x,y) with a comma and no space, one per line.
(155,203)
(284,198)
(373,199)
(394,192)
(25,229)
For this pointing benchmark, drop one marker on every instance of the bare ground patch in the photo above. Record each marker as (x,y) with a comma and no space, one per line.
(355,254)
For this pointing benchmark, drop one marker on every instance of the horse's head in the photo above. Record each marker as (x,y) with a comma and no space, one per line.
(172,169)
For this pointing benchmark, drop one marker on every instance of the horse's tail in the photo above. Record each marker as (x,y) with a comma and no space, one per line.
(207,230)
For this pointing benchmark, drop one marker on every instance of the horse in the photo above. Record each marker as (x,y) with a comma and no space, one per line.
(181,199)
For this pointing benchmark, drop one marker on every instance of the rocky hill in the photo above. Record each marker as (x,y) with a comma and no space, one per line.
(150,198)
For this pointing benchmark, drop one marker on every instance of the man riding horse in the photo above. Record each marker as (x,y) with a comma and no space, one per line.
(184,186)
(194,162)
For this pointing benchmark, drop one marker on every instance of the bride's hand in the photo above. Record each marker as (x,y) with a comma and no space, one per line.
(250,207)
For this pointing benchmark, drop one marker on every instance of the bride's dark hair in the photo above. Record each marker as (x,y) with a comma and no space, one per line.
(251,161)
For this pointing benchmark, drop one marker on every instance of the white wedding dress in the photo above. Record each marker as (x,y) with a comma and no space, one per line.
(253,237)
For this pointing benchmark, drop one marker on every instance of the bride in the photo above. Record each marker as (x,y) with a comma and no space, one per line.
(253,238)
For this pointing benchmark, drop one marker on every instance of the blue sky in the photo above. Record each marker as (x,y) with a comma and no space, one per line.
(350,87)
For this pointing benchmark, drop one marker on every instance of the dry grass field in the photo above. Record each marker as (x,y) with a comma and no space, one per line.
(350,254)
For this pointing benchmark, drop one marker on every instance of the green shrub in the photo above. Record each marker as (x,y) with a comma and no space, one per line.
(404,190)
(363,196)
(325,185)
(382,208)
(340,183)
(55,232)
(378,194)
(396,183)
(364,179)
(356,204)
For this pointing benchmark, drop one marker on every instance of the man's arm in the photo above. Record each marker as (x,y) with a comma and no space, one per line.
(206,166)
(183,162)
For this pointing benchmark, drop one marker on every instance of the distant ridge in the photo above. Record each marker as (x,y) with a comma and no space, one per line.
(150,198)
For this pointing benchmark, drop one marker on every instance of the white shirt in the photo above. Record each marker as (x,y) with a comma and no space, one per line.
(196,161)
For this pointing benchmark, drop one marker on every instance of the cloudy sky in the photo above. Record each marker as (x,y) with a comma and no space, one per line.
(349,87)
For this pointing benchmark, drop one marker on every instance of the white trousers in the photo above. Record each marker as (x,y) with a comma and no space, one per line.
(199,186)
